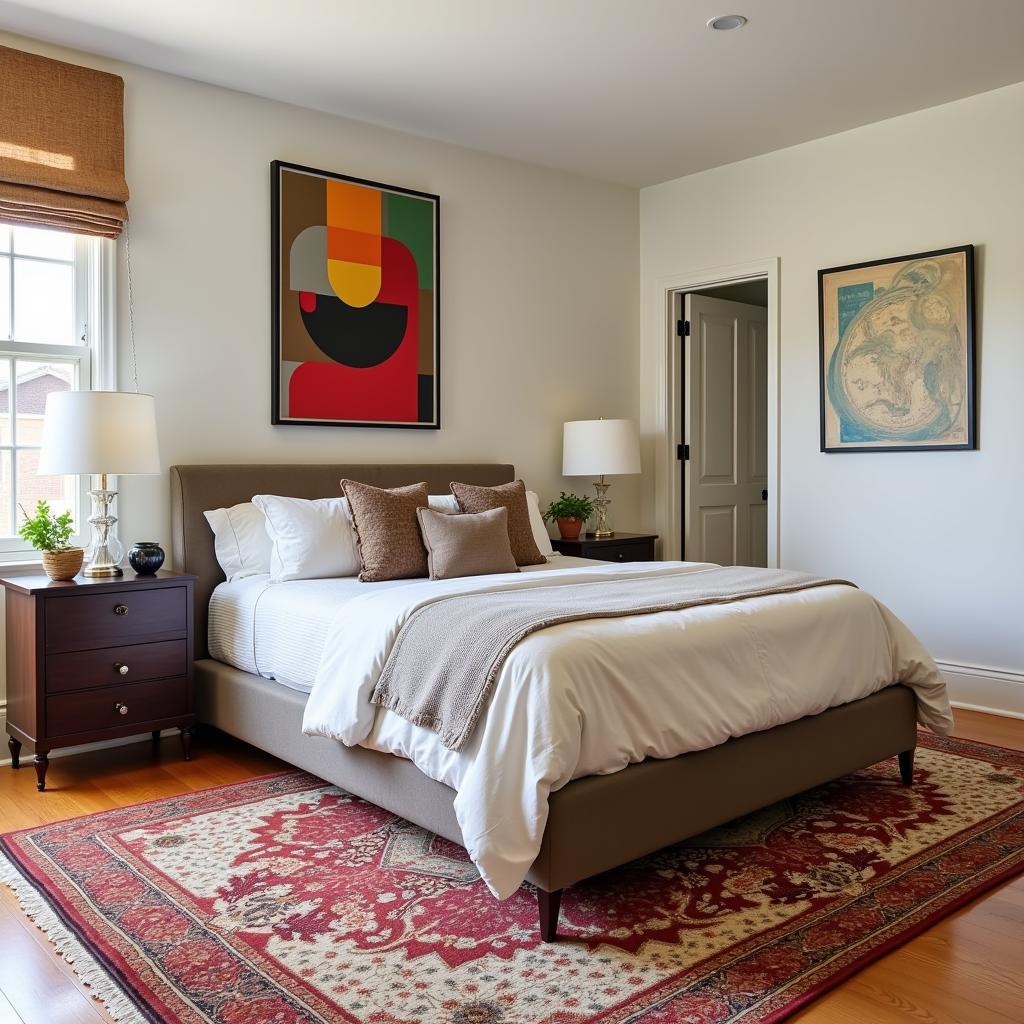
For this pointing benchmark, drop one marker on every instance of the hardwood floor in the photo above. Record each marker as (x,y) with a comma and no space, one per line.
(965,970)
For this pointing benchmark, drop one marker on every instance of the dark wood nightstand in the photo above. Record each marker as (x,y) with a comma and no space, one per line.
(621,547)
(97,659)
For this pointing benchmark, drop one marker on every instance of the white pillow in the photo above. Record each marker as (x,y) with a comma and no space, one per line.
(240,540)
(311,538)
(444,503)
(540,531)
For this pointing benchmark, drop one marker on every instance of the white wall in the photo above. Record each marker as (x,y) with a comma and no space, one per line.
(936,536)
(539,290)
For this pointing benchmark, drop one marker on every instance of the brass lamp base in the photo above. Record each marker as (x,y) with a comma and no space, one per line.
(601,503)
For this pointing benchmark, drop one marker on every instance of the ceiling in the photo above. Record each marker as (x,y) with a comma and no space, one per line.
(633,91)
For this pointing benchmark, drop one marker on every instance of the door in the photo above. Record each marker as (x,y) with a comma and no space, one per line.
(725,425)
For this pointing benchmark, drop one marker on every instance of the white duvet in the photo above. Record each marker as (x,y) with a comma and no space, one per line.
(591,697)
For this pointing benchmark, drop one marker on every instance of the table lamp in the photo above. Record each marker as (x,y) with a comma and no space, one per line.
(600,448)
(100,433)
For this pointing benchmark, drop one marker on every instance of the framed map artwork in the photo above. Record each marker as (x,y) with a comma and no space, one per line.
(897,353)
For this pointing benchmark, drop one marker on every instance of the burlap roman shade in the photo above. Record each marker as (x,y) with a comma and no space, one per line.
(61,145)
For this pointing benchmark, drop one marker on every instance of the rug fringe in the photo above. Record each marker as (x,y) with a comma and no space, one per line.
(101,986)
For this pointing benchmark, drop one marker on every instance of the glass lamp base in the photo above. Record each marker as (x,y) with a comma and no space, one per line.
(102,570)
(103,556)
(601,503)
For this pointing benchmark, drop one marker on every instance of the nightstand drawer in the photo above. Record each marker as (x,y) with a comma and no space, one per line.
(621,547)
(621,552)
(115,706)
(116,617)
(109,666)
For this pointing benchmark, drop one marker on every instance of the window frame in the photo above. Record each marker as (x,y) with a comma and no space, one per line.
(94,362)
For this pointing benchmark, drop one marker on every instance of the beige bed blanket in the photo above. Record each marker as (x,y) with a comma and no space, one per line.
(447,657)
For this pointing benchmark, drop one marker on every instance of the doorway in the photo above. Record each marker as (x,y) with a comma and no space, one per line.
(723,422)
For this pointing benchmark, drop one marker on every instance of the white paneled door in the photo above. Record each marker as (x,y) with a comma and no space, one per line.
(725,425)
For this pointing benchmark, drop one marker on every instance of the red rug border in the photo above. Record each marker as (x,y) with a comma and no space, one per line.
(885,948)
(93,949)
(933,739)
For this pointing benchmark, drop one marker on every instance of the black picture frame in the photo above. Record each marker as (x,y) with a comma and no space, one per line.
(970,443)
(277,418)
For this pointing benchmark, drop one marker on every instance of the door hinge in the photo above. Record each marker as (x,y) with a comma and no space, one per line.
(683,328)
(683,452)
(764,495)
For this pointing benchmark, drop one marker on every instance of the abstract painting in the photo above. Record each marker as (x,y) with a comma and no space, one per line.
(897,353)
(356,313)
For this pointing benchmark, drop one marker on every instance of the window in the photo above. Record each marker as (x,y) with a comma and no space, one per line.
(51,306)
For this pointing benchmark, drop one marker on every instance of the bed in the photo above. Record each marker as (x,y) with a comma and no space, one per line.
(652,802)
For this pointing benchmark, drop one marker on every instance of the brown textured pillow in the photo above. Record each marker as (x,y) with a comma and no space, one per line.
(468,545)
(472,498)
(387,530)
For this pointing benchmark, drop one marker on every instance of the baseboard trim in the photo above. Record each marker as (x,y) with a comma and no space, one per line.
(994,691)
(985,710)
(81,748)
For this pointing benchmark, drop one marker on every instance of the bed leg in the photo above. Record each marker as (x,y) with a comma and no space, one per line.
(906,758)
(549,903)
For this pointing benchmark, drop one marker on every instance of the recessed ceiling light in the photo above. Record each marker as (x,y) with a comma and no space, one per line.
(726,22)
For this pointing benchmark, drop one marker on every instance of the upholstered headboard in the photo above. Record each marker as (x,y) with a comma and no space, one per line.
(195,489)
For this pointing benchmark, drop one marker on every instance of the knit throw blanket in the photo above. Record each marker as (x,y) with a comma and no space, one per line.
(448,655)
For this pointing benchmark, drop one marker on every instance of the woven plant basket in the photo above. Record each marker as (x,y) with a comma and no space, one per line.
(63,565)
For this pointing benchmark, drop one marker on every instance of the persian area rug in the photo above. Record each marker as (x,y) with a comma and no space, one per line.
(286,900)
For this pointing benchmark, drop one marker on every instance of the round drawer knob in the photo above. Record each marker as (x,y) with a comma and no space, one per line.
(122,668)
(621,556)
(121,709)
(120,609)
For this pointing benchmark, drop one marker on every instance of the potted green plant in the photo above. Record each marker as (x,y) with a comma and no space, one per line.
(570,511)
(50,534)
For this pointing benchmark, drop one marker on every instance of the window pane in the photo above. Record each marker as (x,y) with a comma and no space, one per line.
(43,303)
(53,245)
(59,491)
(5,238)
(5,406)
(33,383)
(7,527)
(5,297)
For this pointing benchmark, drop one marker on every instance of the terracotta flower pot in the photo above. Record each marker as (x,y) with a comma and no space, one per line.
(63,565)
(569,528)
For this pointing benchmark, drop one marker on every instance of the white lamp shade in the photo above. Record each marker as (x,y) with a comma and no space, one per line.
(600,448)
(99,432)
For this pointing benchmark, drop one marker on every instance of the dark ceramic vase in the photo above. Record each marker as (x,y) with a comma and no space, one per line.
(146,557)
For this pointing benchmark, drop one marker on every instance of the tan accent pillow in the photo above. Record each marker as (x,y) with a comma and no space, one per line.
(387,530)
(472,498)
(472,544)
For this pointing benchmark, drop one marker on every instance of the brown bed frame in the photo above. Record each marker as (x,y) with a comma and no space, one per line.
(594,823)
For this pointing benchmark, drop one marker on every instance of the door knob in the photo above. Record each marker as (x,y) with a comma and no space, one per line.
(121,709)
(122,668)
(120,609)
